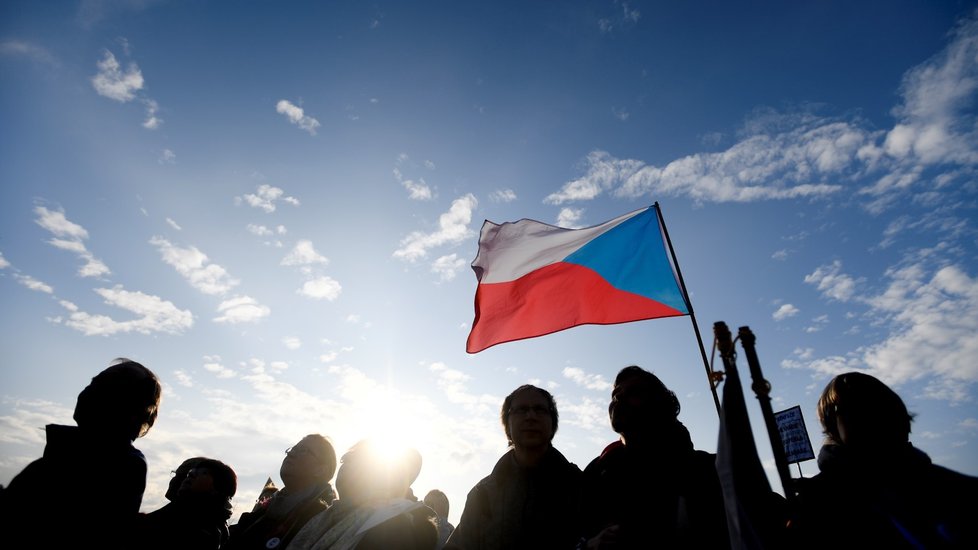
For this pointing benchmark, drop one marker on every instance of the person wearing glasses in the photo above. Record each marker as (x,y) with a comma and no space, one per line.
(651,488)
(532,497)
(197,514)
(306,472)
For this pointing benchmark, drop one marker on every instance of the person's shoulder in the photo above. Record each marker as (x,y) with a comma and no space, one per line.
(612,452)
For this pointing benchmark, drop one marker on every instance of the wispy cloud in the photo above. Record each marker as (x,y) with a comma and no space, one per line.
(153,315)
(124,85)
(69,236)
(167,157)
(113,82)
(173,224)
(4,264)
(241,309)
(194,265)
(831,282)
(453,227)
(570,217)
(502,195)
(266,197)
(304,254)
(784,312)
(586,380)
(33,284)
(297,116)
(292,342)
(31,51)
(418,189)
(447,267)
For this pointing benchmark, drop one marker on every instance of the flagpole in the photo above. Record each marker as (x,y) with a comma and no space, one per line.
(689,306)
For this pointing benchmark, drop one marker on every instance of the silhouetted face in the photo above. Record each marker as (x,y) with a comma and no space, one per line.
(302,464)
(530,423)
(199,480)
(629,408)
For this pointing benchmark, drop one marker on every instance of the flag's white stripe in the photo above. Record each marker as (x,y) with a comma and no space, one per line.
(510,250)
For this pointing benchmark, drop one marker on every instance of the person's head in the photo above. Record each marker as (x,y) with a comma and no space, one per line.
(210,476)
(640,402)
(179,475)
(370,472)
(437,501)
(529,417)
(311,460)
(856,409)
(122,400)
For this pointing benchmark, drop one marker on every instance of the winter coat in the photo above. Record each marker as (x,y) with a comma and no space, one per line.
(893,499)
(669,497)
(104,478)
(516,507)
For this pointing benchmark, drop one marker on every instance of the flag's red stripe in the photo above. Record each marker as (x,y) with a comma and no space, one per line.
(553,298)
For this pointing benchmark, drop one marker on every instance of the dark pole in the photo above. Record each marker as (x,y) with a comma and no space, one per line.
(689,306)
(762,388)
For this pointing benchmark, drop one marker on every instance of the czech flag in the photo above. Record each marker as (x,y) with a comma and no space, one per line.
(536,279)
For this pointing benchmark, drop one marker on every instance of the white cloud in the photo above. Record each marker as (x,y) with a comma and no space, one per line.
(297,116)
(4,264)
(570,217)
(502,195)
(167,157)
(70,236)
(418,190)
(292,342)
(452,228)
(832,282)
(174,224)
(780,255)
(589,381)
(818,323)
(304,254)
(785,311)
(932,317)
(213,365)
(259,230)
(266,196)
(429,165)
(447,267)
(183,378)
(33,284)
(328,357)
(31,51)
(152,121)
(59,225)
(321,288)
(154,315)
(193,264)
(114,83)
(241,309)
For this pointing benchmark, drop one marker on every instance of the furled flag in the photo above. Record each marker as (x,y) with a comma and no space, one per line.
(753,510)
(536,279)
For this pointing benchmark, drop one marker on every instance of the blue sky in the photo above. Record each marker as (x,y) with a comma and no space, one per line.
(274,207)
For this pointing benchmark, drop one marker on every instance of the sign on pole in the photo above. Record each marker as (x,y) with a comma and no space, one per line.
(794,435)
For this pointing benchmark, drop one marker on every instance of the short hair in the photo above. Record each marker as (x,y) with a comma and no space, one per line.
(437,501)
(869,408)
(179,475)
(508,402)
(393,475)
(325,452)
(665,404)
(225,480)
(123,399)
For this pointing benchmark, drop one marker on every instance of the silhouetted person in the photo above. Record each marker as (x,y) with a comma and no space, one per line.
(438,501)
(306,470)
(196,518)
(532,497)
(874,488)
(92,467)
(651,488)
(375,510)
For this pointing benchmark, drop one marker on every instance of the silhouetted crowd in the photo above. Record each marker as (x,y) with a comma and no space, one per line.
(649,489)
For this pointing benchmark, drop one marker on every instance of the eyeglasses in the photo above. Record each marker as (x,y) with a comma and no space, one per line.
(536,409)
(297,451)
